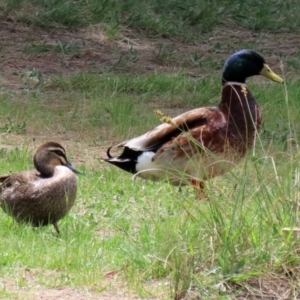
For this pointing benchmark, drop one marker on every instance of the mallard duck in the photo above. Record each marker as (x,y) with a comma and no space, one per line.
(205,142)
(43,196)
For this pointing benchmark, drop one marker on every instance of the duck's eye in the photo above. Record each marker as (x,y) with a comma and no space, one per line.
(59,153)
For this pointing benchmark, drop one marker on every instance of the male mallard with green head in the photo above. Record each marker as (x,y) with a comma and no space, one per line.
(43,196)
(205,142)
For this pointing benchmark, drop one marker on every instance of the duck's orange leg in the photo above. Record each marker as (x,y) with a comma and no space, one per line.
(199,189)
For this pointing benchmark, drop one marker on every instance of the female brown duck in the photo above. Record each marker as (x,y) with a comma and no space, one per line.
(205,142)
(44,196)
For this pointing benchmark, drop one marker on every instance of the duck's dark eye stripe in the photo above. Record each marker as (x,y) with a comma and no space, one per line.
(59,152)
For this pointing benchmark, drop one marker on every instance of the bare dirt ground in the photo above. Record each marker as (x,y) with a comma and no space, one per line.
(134,53)
(31,290)
(128,52)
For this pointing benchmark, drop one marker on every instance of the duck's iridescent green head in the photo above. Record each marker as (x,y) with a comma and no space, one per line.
(246,63)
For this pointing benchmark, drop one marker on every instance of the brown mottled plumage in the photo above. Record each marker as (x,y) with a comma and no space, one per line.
(204,142)
(44,196)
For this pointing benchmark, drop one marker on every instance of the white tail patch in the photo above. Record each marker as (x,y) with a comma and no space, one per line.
(145,161)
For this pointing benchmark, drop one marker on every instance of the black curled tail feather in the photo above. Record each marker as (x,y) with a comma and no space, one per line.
(108,152)
(126,161)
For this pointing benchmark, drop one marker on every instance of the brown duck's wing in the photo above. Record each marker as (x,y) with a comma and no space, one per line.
(166,132)
(209,136)
(4,177)
(5,181)
(20,179)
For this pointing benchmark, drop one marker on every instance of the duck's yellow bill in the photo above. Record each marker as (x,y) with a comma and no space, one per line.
(267,72)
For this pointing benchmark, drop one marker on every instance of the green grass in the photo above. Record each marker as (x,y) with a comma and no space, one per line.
(91,102)
(165,242)
(168,18)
